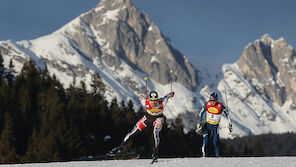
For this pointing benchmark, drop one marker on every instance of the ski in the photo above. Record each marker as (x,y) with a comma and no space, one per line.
(154,159)
(107,156)
(120,153)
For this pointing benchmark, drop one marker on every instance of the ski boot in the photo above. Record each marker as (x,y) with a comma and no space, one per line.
(154,155)
(117,150)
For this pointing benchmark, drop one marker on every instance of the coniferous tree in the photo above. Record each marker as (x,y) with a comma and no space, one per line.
(69,139)
(2,68)
(98,87)
(3,93)
(73,103)
(246,151)
(177,133)
(11,73)
(43,146)
(192,144)
(258,150)
(130,115)
(117,118)
(7,142)
(25,90)
(4,102)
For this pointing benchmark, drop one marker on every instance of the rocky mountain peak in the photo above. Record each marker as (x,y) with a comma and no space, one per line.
(271,63)
(282,43)
(113,4)
(266,39)
(114,33)
(124,32)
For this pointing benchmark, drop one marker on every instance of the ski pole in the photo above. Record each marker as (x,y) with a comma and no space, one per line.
(230,125)
(171,80)
(146,86)
(226,97)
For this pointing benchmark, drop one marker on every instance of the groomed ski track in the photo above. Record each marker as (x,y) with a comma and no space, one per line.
(176,162)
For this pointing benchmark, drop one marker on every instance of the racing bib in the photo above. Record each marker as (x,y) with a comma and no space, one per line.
(214,113)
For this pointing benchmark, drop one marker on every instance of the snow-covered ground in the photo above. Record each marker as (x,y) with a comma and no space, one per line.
(178,162)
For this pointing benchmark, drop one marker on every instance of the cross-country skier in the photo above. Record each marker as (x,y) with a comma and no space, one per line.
(153,117)
(214,110)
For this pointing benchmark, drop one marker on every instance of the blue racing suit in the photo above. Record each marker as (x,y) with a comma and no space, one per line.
(213,117)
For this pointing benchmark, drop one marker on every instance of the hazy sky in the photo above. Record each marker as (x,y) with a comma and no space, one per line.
(208,31)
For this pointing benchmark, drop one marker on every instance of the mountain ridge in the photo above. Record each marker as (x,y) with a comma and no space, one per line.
(124,46)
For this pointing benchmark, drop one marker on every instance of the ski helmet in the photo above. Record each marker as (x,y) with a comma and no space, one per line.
(153,95)
(214,96)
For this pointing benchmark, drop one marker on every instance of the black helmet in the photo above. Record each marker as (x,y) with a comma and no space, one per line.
(214,96)
(153,95)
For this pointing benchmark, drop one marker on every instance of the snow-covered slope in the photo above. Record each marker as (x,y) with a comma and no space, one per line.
(248,87)
(120,43)
(177,162)
(250,112)
(124,46)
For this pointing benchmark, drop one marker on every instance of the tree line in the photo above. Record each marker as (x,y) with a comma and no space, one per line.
(261,145)
(41,121)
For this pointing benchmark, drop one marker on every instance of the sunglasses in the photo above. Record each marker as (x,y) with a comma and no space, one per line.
(213,100)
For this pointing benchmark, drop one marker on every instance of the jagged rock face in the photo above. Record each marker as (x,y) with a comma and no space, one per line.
(117,29)
(273,64)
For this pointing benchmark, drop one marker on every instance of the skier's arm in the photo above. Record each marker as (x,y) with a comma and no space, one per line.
(199,126)
(166,98)
(201,113)
(143,100)
(226,112)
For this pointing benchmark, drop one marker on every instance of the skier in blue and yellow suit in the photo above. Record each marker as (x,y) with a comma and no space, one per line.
(214,112)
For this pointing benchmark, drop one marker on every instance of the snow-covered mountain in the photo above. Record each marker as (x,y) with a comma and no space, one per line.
(259,87)
(118,41)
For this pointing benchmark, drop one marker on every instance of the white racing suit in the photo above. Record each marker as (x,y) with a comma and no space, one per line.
(154,117)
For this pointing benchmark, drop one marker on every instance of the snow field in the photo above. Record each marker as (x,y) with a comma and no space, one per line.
(176,162)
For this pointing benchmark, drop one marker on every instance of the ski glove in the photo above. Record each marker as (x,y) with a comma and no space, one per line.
(199,127)
(169,95)
(172,94)
(142,97)
(230,127)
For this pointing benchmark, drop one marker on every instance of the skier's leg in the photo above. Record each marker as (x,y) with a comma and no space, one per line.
(140,125)
(205,141)
(157,126)
(215,141)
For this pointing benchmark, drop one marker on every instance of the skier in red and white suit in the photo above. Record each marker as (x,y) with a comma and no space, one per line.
(154,117)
